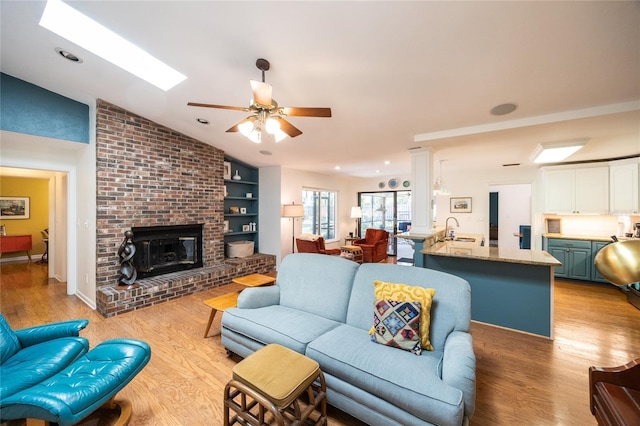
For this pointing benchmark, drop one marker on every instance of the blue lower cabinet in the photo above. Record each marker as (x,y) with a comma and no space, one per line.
(575,256)
(596,246)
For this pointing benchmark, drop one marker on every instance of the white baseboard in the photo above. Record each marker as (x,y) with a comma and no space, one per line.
(34,258)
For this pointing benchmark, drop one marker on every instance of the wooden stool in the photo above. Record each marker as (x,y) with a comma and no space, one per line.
(352,253)
(267,387)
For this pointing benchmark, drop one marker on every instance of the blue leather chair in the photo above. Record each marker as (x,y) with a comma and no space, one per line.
(31,355)
(47,373)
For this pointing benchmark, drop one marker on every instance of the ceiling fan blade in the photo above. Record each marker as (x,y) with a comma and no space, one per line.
(291,130)
(306,112)
(261,92)
(236,108)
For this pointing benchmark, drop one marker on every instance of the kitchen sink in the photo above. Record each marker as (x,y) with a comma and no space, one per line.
(465,239)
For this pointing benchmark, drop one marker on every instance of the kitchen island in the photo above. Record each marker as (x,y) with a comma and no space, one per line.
(509,288)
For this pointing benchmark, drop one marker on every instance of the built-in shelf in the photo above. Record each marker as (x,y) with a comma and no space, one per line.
(236,196)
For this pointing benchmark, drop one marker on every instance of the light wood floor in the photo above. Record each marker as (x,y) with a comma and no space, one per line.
(521,379)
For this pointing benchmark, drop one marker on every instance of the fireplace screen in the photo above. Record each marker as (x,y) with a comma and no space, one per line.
(164,249)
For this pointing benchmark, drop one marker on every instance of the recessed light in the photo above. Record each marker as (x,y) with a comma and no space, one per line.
(386,163)
(503,109)
(68,55)
(337,167)
(265,152)
(202,121)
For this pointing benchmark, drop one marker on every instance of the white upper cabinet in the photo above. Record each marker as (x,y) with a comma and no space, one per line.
(624,186)
(576,190)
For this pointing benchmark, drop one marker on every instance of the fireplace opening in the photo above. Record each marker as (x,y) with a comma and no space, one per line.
(164,249)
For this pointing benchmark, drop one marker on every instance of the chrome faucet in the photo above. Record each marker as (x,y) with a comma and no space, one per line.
(446,226)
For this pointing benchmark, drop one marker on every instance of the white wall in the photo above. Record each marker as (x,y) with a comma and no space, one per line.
(270,210)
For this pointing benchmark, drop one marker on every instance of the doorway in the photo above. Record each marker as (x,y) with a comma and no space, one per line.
(391,211)
(56,223)
(510,216)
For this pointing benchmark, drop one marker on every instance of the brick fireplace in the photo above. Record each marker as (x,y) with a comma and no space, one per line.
(148,176)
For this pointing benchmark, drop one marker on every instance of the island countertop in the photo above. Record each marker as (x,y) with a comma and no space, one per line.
(472,251)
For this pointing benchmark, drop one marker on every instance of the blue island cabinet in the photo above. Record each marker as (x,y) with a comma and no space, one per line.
(514,292)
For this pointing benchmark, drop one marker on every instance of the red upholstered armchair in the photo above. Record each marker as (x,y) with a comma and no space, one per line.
(373,245)
(305,245)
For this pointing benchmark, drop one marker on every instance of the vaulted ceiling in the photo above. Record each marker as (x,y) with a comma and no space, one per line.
(397,75)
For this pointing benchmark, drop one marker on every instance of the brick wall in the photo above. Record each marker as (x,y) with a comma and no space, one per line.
(149,175)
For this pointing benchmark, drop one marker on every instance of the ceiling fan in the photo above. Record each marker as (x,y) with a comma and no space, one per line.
(265,112)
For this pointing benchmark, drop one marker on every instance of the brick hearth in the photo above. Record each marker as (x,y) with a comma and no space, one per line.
(149,175)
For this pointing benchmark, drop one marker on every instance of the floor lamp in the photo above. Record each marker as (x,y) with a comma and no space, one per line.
(356,213)
(293,211)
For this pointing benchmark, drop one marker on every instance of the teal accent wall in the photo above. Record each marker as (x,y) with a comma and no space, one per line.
(27,108)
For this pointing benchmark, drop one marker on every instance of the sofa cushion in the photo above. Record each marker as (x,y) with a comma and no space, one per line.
(9,343)
(397,324)
(277,324)
(451,306)
(407,293)
(325,288)
(36,363)
(412,383)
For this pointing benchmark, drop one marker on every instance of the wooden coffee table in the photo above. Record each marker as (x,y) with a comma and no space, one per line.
(254,280)
(230,300)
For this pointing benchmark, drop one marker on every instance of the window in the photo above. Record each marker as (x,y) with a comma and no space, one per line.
(319,213)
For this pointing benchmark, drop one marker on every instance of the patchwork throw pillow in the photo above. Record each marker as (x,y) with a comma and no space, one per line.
(407,293)
(397,324)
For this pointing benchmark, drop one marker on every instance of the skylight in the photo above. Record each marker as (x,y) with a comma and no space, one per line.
(67,22)
(557,151)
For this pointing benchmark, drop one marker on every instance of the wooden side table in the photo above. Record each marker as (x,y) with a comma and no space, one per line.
(230,300)
(14,243)
(352,253)
(349,240)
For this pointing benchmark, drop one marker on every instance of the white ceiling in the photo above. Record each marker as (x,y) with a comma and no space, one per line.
(397,75)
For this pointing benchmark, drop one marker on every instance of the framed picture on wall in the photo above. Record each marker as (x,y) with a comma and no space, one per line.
(227,170)
(14,207)
(460,205)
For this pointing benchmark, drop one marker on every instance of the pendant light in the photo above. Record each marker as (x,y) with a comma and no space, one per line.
(439,187)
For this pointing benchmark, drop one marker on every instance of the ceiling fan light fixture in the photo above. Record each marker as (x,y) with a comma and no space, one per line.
(255,136)
(279,135)
(246,127)
(272,126)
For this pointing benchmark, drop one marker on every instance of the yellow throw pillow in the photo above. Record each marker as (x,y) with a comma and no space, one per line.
(407,293)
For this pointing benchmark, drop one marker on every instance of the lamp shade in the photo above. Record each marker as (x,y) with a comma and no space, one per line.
(356,212)
(293,210)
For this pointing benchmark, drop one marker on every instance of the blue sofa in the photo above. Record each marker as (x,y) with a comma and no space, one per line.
(322,306)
